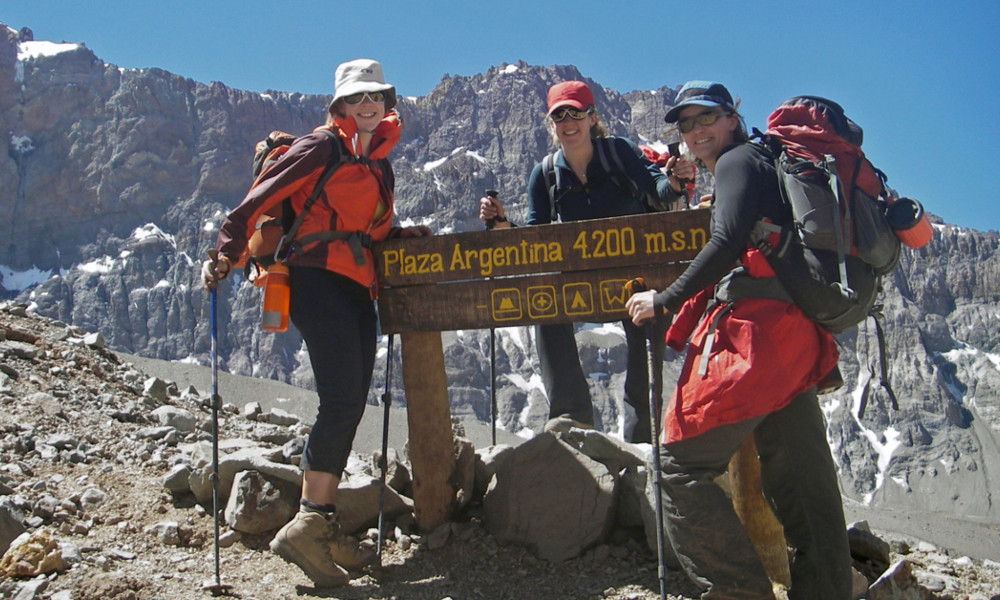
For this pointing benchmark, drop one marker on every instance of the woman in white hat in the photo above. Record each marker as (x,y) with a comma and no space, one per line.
(333,288)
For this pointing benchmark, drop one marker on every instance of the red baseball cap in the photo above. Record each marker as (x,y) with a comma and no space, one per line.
(574,94)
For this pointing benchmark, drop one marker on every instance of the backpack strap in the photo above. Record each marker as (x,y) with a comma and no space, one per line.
(551,181)
(288,243)
(617,171)
(876,314)
(839,230)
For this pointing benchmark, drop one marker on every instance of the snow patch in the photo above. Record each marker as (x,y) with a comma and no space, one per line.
(100,265)
(150,230)
(884,444)
(21,144)
(30,50)
(430,166)
(509,69)
(18,281)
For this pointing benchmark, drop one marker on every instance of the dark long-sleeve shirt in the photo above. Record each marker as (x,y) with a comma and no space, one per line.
(601,197)
(746,188)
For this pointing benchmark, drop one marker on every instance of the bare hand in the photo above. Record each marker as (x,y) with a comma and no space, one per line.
(490,208)
(415,231)
(214,270)
(640,307)
(680,170)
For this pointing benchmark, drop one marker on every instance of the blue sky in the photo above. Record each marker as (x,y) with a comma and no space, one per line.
(920,77)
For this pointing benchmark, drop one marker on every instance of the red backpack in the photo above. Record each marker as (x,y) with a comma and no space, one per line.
(839,244)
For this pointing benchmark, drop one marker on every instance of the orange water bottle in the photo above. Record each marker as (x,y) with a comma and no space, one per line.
(274,317)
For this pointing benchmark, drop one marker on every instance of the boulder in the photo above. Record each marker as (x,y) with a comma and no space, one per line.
(532,492)
(258,504)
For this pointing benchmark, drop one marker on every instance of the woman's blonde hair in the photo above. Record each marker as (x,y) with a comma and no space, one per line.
(597,130)
(336,111)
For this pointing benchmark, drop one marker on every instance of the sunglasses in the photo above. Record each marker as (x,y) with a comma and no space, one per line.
(576,114)
(704,119)
(360,97)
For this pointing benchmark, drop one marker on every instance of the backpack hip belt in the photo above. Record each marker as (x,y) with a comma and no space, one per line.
(356,240)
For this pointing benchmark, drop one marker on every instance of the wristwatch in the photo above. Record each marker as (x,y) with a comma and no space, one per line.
(497,219)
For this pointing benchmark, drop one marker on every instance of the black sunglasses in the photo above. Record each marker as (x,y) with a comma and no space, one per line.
(704,119)
(576,114)
(360,97)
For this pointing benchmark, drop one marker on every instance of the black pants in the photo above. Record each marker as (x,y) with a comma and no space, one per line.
(566,385)
(799,480)
(337,320)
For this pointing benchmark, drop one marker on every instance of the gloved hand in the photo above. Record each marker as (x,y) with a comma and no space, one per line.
(214,269)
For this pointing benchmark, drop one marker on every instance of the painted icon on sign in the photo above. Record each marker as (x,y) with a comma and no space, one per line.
(613,295)
(578,299)
(506,304)
(542,302)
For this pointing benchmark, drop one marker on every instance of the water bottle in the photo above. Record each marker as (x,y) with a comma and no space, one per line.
(910,223)
(274,317)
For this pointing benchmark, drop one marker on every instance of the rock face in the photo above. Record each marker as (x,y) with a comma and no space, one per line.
(114,182)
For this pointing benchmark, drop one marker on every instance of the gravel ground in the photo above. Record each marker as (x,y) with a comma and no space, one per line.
(94,399)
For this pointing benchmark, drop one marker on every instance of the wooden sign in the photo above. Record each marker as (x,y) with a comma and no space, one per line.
(554,273)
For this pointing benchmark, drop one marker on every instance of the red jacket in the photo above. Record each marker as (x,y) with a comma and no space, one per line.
(763,354)
(354,199)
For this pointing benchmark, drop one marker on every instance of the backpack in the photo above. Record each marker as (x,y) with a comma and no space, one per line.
(274,237)
(614,168)
(831,257)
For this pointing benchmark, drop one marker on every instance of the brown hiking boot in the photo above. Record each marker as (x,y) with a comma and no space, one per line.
(313,542)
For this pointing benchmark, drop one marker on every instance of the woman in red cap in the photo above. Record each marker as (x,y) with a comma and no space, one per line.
(573,184)
(333,288)
(753,361)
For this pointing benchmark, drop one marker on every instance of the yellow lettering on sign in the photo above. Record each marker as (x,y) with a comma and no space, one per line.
(699,237)
(656,243)
(390,258)
(489,259)
(457,264)
(401,263)
(680,242)
(693,239)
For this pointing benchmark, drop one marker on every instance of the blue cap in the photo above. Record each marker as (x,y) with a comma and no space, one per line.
(700,93)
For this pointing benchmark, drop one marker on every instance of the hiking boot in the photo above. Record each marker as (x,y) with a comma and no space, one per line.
(313,542)
(563,423)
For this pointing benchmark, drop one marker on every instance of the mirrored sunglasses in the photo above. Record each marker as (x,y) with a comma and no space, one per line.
(360,97)
(573,113)
(704,119)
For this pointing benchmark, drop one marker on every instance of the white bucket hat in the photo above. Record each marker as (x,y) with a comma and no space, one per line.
(362,75)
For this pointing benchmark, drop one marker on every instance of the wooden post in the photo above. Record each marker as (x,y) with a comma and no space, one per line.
(431,448)
(762,526)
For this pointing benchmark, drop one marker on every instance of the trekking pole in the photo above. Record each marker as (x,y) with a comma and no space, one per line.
(384,460)
(655,385)
(492,194)
(493,385)
(216,587)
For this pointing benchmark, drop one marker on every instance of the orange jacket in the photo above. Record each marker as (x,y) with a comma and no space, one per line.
(354,199)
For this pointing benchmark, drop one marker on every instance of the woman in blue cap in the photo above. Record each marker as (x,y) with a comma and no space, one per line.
(753,361)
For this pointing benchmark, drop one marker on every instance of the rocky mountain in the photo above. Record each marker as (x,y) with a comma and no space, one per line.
(114,179)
